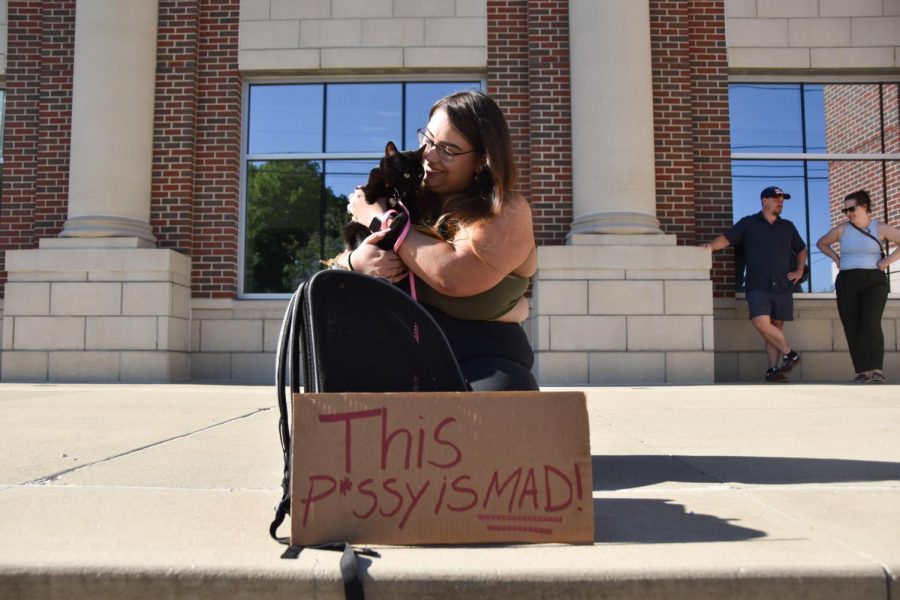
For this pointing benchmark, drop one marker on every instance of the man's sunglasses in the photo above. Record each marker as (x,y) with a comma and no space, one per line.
(849,209)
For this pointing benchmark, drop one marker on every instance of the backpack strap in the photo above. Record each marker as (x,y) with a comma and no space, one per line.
(284,351)
(353,589)
(287,358)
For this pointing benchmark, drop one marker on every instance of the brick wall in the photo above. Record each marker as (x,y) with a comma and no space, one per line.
(528,74)
(691,126)
(216,202)
(174,128)
(3,23)
(55,118)
(196,162)
(507,78)
(40,43)
(550,119)
(853,124)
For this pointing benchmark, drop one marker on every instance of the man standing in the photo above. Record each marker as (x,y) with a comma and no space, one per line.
(770,244)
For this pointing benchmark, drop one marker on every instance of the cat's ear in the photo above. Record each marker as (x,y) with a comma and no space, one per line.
(390,149)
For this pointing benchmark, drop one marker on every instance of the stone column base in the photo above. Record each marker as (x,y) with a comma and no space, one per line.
(96,310)
(622,309)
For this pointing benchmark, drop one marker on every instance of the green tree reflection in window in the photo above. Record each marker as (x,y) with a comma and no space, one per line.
(307,146)
(287,228)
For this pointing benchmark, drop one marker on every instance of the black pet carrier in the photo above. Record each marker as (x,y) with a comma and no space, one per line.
(348,332)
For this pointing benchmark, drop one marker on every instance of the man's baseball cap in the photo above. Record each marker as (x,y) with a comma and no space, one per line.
(771,192)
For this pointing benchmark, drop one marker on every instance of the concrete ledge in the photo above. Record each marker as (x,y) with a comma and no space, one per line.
(700,492)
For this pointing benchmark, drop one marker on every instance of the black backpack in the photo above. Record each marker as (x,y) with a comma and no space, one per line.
(350,332)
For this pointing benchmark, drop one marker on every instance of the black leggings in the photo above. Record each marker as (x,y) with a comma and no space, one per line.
(861,296)
(494,357)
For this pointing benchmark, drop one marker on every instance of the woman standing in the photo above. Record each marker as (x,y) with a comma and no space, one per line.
(861,283)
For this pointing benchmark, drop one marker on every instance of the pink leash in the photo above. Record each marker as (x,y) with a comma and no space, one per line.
(412,278)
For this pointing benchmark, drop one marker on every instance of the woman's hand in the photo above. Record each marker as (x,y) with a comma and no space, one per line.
(372,260)
(360,210)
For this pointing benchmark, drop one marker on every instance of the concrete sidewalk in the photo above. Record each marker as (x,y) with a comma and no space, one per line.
(167,491)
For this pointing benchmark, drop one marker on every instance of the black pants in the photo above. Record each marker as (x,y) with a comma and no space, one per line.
(861,296)
(493,357)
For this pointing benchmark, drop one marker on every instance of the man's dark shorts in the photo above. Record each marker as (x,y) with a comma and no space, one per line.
(779,306)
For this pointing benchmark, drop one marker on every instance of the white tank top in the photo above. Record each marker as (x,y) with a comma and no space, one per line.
(859,251)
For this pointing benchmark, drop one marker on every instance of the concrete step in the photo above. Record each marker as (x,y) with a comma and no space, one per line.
(699,492)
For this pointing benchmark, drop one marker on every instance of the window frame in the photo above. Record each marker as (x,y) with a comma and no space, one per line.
(806,157)
(246,157)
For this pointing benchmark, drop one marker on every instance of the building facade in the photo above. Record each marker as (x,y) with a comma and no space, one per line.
(172,168)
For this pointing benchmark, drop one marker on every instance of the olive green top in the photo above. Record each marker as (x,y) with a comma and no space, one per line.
(486,306)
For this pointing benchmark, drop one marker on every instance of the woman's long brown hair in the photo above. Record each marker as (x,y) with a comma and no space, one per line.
(478,118)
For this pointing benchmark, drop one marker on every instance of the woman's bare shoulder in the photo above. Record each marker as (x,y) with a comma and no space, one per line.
(505,240)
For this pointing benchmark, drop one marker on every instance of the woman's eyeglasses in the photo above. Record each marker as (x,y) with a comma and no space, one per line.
(848,210)
(445,153)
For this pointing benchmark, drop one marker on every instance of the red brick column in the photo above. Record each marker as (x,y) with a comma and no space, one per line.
(693,155)
(673,140)
(528,74)
(550,119)
(40,50)
(216,206)
(54,135)
(711,133)
(174,128)
(507,76)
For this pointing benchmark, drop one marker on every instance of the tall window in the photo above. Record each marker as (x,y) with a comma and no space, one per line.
(818,142)
(307,145)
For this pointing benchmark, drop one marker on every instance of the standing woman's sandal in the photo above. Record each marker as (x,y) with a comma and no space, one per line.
(877,377)
(861,378)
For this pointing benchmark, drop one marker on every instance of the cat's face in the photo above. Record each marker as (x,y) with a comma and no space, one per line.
(402,170)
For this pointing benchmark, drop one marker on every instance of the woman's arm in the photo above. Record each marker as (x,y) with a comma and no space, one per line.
(372,260)
(368,258)
(480,255)
(825,242)
(892,235)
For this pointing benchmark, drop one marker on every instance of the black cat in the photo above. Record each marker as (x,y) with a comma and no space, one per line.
(398,178)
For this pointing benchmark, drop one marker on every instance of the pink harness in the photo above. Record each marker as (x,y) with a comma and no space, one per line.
(384,225)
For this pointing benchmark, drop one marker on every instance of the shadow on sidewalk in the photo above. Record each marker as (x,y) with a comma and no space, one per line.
(634,471)
(661,521)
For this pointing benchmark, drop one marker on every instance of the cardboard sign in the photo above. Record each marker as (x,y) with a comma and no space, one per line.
(441,468)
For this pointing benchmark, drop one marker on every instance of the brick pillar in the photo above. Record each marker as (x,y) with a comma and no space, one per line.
(101,302)
(621,302)
(528,75)
(217,166)
(40,42)
(175,124)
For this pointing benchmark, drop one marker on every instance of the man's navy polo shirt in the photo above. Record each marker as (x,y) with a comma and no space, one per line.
(768,249)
